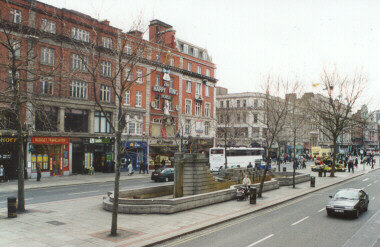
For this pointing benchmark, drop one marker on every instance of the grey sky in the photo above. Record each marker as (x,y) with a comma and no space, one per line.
(249,39)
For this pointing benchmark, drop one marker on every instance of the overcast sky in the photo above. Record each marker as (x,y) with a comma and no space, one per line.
(250,39)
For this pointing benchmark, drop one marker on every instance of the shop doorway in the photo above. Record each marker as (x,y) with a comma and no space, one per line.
(78,158)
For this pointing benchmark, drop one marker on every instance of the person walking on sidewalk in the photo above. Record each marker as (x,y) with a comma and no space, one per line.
(356,162)
(38,172)
(130,169)
(351,165)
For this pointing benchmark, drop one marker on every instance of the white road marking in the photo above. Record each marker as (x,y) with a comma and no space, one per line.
(261,240)
(84,192)
(362,188)
(295,223)
(365,179)
(375,181)
(369,185)
(321,210)
(373,198)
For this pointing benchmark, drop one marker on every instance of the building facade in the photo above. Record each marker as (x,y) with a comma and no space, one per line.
(167,74)
(240,118)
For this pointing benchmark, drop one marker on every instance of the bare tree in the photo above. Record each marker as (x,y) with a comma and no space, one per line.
(21,73)
(128,54)
(275,113)
(226,131)
(294,123)
(332,109)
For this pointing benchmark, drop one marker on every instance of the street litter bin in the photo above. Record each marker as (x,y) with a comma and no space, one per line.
(252,195)
(312,181)
(284,169)
(12,207)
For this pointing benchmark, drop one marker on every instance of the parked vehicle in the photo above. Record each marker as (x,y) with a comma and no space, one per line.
(348,202)
(164,175)
(242,193)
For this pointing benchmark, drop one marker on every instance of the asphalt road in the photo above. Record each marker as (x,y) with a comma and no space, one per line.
(300,222)
(49,194)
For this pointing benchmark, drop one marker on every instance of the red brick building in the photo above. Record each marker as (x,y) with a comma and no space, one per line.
(163,113)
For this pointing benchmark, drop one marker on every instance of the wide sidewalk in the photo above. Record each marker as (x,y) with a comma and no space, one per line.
(75,179)
(83,222)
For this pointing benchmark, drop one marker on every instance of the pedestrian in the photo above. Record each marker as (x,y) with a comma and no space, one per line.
(356,162)
(303,163)
(38,166)
(351,165)
(373,163)
(130,169)
(139,167)
(143,167)
(163,163)
(249,165)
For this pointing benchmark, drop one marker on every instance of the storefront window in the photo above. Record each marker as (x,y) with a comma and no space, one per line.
(101,123)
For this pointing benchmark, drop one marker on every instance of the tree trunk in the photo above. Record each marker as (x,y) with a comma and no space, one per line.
(225,150)
(20,167)
(20,153)
(259,194)
(332,173)
(115,207)
(294,163)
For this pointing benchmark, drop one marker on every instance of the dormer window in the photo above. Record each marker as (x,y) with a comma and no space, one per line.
(185,49)
(191,51)
(181,47)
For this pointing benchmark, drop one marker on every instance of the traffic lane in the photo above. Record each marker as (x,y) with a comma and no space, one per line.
(248,232)
(321,230)
(50,194)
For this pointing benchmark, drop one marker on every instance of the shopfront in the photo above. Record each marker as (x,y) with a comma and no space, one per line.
(99,154)
(135,152)
(51,154)
(160,150)
(8,158)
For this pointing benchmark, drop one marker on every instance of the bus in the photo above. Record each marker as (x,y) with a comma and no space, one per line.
(236,156)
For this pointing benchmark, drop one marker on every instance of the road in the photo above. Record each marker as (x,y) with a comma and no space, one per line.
(50,194)
(300,222)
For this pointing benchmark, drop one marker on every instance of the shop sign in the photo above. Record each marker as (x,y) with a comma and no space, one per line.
(164,96)
(8,139)
(166,84)
(50,140)
(158,89)
(102,140)
(172,91)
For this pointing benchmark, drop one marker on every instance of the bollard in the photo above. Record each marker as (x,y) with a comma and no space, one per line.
(252,195)
(319,173)
(12,207)
(284,169)
(312,181)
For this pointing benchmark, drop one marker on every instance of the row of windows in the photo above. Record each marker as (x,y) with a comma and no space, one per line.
(198,129)
(198,108)
(198,88)
(50,26)
(138,98)
(199,69)
(239,103)
(193,51)
(240,118)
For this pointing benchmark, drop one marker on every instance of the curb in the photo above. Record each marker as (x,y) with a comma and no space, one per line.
(254,211)
(65,185)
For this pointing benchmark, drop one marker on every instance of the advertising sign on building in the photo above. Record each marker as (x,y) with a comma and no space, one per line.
(198,127)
